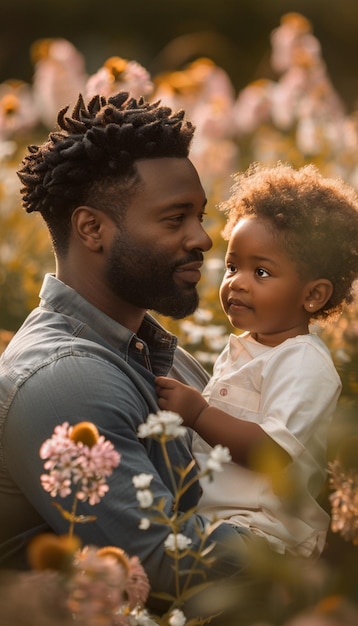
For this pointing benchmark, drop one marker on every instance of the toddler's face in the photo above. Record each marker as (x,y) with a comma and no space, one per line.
(261,290)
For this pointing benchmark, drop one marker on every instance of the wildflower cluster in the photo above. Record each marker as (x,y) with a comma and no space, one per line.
(77,457)
(344,502)
(106,587)
(71,461)
(343,481)
(103,586)
(107,584)
(164,426)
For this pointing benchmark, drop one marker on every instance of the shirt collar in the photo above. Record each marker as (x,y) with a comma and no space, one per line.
(246,341)
(56,295)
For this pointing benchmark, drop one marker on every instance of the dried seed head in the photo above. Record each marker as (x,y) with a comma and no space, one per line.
(85,432)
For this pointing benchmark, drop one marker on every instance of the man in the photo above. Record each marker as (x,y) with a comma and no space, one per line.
(124,207)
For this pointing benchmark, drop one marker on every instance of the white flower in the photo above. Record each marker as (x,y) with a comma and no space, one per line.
(218,456)
(150,428)
(145,498)
(177,618)
(140,617)
(165,423)
(177,542)
(142,481)
(144,523)
(172,424)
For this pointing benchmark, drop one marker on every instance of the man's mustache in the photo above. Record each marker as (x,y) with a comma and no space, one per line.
(196,256)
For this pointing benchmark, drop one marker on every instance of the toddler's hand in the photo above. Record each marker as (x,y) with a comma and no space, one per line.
(179,398)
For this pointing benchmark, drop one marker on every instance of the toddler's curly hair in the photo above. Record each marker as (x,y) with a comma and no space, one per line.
(93,152)
(315,219)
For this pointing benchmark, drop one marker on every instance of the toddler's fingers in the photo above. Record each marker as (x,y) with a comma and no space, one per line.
(161,393)
(161,403)
(164,383)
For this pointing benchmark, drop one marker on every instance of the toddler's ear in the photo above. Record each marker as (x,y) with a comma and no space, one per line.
(319,292)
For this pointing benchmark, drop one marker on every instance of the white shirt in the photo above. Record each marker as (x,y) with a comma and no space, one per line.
(291,390)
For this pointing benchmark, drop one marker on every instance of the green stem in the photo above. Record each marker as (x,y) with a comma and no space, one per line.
(169,467)
(196,560)
(173,526)
(73,516)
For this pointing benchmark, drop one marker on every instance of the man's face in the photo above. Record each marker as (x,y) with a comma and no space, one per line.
(157,251)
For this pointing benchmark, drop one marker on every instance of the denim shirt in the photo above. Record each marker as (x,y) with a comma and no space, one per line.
(71,362)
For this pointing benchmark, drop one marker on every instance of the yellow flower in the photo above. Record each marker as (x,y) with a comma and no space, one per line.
(86,432)
(116,553)
(54,552)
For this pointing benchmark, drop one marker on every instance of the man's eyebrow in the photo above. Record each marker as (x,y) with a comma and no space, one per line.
(186,205)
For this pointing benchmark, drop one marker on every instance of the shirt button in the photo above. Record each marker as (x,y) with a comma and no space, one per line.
(139,345)
(223,391)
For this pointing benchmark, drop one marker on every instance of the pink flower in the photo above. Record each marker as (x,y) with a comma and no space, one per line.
(97,586)
(59,76)
(55,483)
(118,74)
(137,586)
(70,460)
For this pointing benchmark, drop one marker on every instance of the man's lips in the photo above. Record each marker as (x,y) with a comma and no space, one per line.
(190,272)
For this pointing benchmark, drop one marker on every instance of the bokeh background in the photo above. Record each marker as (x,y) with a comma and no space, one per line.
(166,34)
(292,97)
(276,89)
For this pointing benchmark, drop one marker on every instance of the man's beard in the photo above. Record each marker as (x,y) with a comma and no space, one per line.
(145,278)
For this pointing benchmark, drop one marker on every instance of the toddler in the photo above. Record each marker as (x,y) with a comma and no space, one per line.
(292,259)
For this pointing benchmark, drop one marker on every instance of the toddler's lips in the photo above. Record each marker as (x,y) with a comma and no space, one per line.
(238,305)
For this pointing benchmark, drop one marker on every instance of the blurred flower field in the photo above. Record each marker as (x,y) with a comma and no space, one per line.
(297,118)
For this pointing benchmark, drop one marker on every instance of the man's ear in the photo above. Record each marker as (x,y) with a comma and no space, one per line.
(318,292)
(87,225)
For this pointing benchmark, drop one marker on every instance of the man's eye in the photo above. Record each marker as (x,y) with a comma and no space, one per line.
(201,216)
(176,218)
(262,273)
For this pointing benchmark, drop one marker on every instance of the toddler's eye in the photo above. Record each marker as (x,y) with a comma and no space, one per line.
(262,273)
(230,268)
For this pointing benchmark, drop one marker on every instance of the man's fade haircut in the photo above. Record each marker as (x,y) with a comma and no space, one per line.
(95,150)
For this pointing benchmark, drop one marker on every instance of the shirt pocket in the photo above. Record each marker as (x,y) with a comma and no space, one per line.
(233,399)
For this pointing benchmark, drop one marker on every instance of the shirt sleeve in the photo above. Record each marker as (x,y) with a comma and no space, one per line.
(83,387)
(300,389)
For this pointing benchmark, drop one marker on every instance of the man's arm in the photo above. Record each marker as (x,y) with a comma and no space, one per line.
(85,388)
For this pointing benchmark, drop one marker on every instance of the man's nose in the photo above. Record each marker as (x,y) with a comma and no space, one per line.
(199,239)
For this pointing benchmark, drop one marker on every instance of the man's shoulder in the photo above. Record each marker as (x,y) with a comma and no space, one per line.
(47,344)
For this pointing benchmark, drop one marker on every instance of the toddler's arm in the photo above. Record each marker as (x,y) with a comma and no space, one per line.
(243,438)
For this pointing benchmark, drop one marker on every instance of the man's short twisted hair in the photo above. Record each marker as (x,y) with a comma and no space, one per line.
(96,148)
